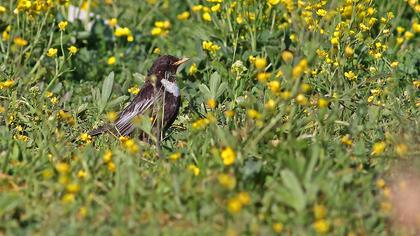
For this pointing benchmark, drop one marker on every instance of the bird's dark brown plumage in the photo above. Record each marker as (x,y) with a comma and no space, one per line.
(159,91)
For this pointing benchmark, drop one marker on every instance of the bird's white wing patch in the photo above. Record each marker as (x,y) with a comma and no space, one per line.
(171,87)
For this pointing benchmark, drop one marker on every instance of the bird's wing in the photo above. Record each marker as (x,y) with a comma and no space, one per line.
(141,103)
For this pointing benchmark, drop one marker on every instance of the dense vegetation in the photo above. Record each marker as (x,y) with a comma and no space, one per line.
(295,117)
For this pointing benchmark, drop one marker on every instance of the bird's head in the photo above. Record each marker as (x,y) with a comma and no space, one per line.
(166,65)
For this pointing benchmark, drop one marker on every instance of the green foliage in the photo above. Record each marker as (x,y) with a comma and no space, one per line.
(291,117)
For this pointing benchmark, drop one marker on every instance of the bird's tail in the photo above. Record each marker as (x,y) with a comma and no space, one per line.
(100,130)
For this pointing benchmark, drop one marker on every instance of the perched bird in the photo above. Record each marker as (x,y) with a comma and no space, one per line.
(159,96)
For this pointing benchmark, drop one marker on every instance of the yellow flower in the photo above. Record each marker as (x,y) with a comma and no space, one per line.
(234,205)
(156,31)
(111,60)
(408,35)
(260,63)
(321,226)
(73,50)
(175,156)
(111,167)
(301,99)
(279,74)
(346,140)
(350,75)
(131,146)
(273,2)
(335,41)
(278,227)
(228,156)
(20,41)
(83,211)
(210,46)
(47,173)
(229,113)
(239,19)
(211,103)
(7,84)
(300,68)
(194,169)
(130,38)
(348,51)
(82,174)
(227,181)
(380,183)
(378,148)
(62,168)
(2,9)
(73,188)
(163,24)
(112,116)
(107,157)
(206,16)
(112,22)
(183,16)
(62,25)
(68,198)
(287,56)
(320,211)
(274,86)
(84,137)
(215,8)
(196,8)
(394,64)
(134,90)
(401,149)
(321,12)
(270,104)
(193,69)
(322,103)
(244,198)
(253,114)
(52,52)
(416,27)
(122,31)
(263,76)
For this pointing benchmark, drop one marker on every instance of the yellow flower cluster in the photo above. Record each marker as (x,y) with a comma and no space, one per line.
(378,148)
(228,156)
(20,42)
(107,159)
(7,84)
(130,145)
(210,47)
(86,138)
(67,117)
(321,225)
(134,90)
(183,16)
(236,203)
(194,169)
(227,181)
(161,28)
(124,32)
(202,123)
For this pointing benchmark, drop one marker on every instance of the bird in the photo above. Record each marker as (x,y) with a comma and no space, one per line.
(159,96)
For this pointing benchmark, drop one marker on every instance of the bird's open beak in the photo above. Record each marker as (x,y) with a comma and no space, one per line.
(182,61)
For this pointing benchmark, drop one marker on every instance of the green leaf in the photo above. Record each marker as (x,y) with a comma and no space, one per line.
(205,91)
(295,197)
(106,90)
(8,202)
(214,83)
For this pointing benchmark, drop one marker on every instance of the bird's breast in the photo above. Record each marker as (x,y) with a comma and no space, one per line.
(170,87)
